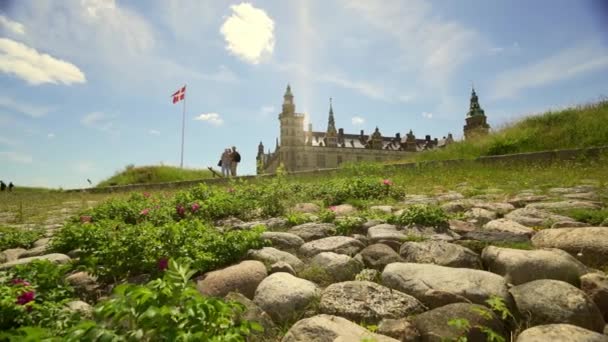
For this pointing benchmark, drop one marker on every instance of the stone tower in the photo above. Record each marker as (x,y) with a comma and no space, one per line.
(410,142)
(476,119)
(292,130)
(331,135)
(260,158)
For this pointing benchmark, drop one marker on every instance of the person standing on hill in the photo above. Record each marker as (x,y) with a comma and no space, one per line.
(10,186)
(236,159)
(226,162)
(2,186)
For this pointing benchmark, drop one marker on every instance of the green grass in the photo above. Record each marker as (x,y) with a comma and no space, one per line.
(577,127)
(154,174)
(592,217)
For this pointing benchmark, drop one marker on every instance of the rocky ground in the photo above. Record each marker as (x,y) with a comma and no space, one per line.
(387,282)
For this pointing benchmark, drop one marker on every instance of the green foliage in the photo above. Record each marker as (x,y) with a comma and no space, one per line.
(115,251)
(369,275)
(326,215)
(341,190)
(296,219)
(17,238)
(348,224)
(425,215)
(497,305)
(590,216)
(154,174)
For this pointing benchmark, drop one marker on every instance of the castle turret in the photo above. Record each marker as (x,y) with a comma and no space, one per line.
(260,159)
(376,140)
(292,131)
(331,136)
(410,142)
(476,118)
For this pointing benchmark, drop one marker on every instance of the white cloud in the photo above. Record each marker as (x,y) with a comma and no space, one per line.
(16,157)
(34,67)
(29,110)
(50,135)
(100,121)
(212,118)
(154,132)
(11,25)
(427,115)
(357,121)
(566,64)
(249,33)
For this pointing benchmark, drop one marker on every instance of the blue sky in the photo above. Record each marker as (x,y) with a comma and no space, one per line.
(86,84)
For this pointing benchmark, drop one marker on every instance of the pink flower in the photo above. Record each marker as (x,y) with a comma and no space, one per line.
(18,281)
(163,264)
(195,207)
(387,182)
(144,212)
(181,211)
(85,219)
(26,297)
(332,208)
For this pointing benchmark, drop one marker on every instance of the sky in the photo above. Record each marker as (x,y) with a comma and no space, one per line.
(86,84)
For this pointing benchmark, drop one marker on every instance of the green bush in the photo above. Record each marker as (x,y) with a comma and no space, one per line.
(590,216)
(348,224)
(17,238)
(425,215)
(341,190)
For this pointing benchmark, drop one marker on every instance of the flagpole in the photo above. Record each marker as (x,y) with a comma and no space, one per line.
(181,164)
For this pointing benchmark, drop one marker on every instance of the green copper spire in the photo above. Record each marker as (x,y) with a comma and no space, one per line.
(474,107)
(331,123)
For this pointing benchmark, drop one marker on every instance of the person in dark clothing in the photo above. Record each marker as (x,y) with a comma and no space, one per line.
(236,159)
(10,186)
(2,186)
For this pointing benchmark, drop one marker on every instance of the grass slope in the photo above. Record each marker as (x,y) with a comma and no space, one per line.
(582,126)
(154,174)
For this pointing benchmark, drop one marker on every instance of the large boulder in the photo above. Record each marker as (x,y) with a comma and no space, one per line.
(365,301)
(377,256)
(252,312)
(243,278)
(560,333)
(306,208)
(35,251)
(11,254)
(521,266)
(548,301)
(313,231)
(337,244)
(337,267)
(328,328)
(565,205)
(401,329)
(497,207)
(588,244)
(385,232)
(285,297)
(595,285)
(508,226)
(270,255)
(439,253)
(434,325)
(343,209)
(283,240)
(421,280)
(523,199)
(480,216)
(56,258)
(532,217)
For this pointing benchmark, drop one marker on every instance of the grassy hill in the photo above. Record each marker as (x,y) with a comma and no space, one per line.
(154,174)
(582,126)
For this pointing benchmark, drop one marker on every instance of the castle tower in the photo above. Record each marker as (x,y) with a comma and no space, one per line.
(476,119)
(260,158)
(292,131)
(410,142)
(331,136)
(376,140)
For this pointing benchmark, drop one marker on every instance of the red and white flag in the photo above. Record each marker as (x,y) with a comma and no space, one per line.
(179,95)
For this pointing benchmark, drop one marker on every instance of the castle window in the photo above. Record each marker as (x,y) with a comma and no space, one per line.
(321,160)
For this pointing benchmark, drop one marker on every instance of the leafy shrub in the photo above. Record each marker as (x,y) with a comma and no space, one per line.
(326,215)
(425,215)
(347,225)
(295,219)
(592,217)
(341,190)
(114,250)
(17,238)
(369,274)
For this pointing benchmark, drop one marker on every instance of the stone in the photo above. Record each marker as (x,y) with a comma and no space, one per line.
(362,238)
(385,232)
(338,267)
(489,236)
(450,196)
(457,206)
(522,266)
(400,329)
(595,285)
(393,244)
(588,244)
(80,307)
(282,266)
(36,251)
(523,199)
(85,284)
(365,301)
(532,217)
(271,255)
(11,254)
(496,207)
(573,190)
(586,196)
(252,312)
(461,227)
(569,224)
(56,258)
(560,333)
(505,225)
(417,279)
(229,222)
(548,301)
(313,231)
(337,244)
(565,205)
(271,223)
(382,208)
(378,255)
(343,209)
(328,328)
(42,242)
(419,199)
(283,241)
(480,216)
(243,277)
(439,253)
(285,297)
(433,324)
(306,208)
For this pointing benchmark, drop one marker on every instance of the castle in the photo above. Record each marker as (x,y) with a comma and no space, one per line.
(302,150)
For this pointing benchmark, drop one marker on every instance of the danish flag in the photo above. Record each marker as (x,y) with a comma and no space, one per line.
(179,95)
